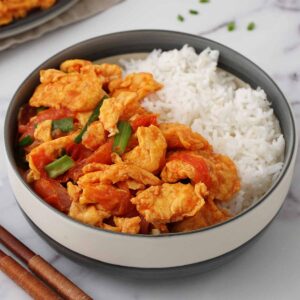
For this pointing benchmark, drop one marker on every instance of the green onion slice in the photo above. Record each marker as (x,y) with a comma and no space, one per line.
(251,26)
(26,141)
(59,166)
(121,139)
(193,12)
(180,18)
(93,117)
(65,125)
(204,1)
(231,26)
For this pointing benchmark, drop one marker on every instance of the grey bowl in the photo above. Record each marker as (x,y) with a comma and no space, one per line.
(145,41)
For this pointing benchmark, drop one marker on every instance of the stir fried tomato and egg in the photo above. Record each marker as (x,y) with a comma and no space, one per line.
(17,9)
(89,149)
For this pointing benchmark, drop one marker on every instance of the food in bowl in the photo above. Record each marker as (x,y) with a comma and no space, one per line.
(142,153)
(11,10)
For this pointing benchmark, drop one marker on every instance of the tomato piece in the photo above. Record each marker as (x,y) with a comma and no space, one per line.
(48,114)
(102,154)
(78,152)
(26,130)
(144,120)
(53,193)
(53,114)
(112,199)
(201,168)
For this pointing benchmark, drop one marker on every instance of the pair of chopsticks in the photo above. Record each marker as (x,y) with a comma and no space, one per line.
(51,285)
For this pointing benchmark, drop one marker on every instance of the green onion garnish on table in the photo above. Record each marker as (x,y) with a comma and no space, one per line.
(93,117)
(180,18)
(122,137)
(231,26)
(59,166)
(251,26)
(26,141)
(193,12)
(65,125)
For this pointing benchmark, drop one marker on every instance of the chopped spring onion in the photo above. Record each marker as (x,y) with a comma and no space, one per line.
(180,18)
(251,26)
(204,1)
(93,117)
(231,26)
(65,125)
(26,141)
(122,137)
(193,12)
(59,166)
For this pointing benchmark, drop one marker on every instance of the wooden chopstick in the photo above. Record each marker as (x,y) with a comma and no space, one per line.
(29,283)
(62,285)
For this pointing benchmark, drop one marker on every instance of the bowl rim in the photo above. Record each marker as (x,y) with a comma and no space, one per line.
(286,162)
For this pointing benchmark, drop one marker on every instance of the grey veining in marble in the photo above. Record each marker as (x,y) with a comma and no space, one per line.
(268,270)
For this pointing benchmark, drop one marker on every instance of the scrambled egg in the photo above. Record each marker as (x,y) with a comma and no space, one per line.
(113,109)
(76,91)
(16,9)
(210,214)
(42,132)
(168,202)
(125,225)
(140,83)
(120,172)
(94,136)
(179,136)
(151,151)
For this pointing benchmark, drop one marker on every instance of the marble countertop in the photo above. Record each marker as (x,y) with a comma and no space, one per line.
(268,270)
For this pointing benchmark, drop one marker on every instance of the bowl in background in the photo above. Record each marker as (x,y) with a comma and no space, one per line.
(35,18)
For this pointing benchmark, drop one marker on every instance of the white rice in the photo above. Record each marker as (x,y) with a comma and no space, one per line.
(236,119)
